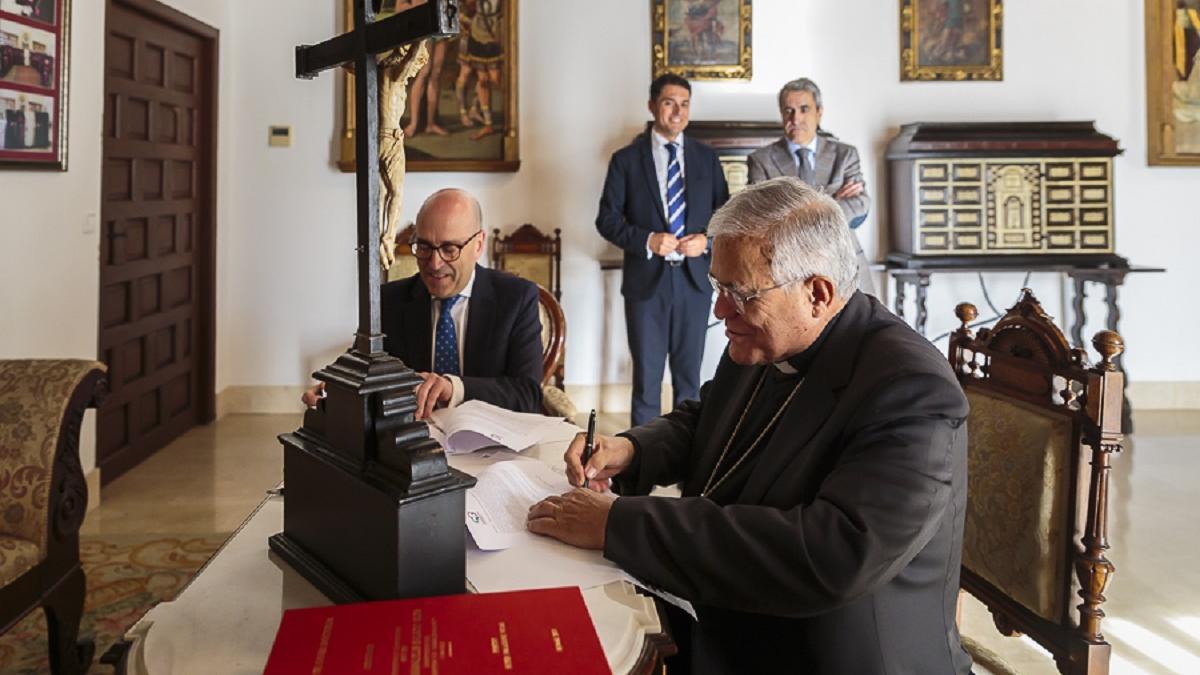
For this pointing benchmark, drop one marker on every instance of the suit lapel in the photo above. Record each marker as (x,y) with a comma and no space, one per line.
(826,156)
(652,179)
(418,327)
(784,163)
(480,315)
(813,403)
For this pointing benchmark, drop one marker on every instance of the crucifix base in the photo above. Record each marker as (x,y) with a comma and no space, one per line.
(355,537)
(372,510)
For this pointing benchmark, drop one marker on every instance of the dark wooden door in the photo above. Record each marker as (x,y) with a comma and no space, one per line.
(157,255)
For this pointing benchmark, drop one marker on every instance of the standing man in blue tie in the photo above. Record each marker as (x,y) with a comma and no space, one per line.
(659,194)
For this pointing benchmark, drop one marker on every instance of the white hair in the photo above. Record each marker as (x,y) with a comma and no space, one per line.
(804,231)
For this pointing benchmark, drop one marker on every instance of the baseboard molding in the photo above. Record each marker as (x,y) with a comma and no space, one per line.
(1164,395)
(262,400)
(92,479)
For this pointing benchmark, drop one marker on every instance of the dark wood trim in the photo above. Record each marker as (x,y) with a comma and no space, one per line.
(170,15)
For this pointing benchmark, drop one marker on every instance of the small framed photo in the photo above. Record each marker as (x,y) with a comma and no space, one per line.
(951,40)
(33,83)
(702,39)
(1173,82)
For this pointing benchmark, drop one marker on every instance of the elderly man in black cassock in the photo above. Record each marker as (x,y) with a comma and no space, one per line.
(823,469)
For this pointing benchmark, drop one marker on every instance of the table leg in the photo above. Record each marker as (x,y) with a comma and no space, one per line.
(898,301)
(922,292)
(1114,318)
(1080,317)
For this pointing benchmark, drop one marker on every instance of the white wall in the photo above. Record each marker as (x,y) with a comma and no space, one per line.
(584,70)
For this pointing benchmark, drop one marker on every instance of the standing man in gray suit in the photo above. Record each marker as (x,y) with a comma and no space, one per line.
(817,158)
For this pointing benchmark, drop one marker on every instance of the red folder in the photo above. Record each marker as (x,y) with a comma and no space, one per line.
(539,631)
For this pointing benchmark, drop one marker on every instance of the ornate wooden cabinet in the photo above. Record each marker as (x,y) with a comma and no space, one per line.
(1021,192)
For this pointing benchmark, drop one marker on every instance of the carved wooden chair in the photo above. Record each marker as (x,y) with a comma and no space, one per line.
(530,254)
(554,339)
(1042,429)
(43,498)
(405,264)
(537,257)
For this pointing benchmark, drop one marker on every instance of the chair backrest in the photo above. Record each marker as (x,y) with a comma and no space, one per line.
(405,264)
(1042,428)
(532,255)
(41,408)
(554,337)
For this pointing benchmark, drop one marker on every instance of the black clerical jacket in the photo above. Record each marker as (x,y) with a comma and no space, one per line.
(502,351)
(840,551)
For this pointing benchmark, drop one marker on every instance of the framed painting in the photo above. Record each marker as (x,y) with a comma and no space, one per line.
(951,40)
(462,106)
(1173,82)
(701,39)
(34,49)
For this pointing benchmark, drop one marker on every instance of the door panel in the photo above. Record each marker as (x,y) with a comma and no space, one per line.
(156,246)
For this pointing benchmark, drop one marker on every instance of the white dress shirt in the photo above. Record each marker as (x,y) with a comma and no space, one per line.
(458,314)
(662,159)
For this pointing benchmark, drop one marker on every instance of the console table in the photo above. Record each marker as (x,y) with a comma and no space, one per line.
(917,273)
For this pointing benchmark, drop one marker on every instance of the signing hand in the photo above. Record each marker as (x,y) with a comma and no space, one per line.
(693,245)
(662,243)
(435,390)
(577,518)
(314,394)
(610,456)
(852,189)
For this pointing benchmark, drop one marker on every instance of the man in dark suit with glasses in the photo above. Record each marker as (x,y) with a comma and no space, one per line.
(470,332)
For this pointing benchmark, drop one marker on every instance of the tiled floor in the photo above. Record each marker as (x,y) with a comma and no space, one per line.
(208,480)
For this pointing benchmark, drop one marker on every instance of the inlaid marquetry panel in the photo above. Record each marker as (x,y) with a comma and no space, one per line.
(1014,205)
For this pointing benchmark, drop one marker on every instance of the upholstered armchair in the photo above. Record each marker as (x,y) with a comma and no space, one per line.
(43,498)
(1041,432)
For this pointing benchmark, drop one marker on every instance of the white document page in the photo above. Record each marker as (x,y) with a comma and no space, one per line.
(475,425)
(507,557)
(499,503)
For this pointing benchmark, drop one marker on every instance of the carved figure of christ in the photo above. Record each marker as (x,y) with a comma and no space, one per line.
(395,49)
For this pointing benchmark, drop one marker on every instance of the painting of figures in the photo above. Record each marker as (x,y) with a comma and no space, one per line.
(702,39)
(950,40)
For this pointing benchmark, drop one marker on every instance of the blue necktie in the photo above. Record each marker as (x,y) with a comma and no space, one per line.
(676,203)
(445,348)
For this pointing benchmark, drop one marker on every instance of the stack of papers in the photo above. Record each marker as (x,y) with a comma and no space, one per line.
(475,425)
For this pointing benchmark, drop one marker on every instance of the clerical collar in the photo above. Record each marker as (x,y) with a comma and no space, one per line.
(800,363)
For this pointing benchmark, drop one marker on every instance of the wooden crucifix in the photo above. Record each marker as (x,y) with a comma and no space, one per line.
(360,47)
(372,509)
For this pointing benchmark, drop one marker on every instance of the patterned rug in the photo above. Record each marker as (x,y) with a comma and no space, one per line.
(126,575)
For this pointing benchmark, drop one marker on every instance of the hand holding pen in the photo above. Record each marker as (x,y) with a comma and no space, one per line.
(609,456)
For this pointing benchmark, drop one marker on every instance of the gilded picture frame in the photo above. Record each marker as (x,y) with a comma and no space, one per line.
(702,39)
(488,58)
(35,62)
(1173,82)
(951,40)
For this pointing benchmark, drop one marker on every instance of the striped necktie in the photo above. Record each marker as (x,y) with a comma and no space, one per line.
(676,203)
(445,349)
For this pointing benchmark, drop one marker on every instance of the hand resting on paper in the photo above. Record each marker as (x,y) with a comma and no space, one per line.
(578,518)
